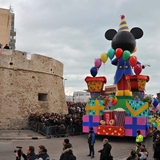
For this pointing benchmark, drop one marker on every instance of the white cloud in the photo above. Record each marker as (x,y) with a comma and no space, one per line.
(73,33)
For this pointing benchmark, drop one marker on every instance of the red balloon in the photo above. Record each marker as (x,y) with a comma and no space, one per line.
(119,53)
(133,61)
(137,69)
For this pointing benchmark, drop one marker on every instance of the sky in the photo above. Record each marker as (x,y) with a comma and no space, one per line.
(72,31)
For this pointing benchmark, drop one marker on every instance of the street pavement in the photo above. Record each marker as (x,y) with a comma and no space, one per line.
(121,146)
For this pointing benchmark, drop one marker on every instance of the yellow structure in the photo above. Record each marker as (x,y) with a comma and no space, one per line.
(7,31)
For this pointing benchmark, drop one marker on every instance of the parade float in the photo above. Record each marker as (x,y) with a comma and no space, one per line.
(129,109)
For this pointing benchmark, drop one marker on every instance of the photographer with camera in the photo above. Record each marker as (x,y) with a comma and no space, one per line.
(29,156)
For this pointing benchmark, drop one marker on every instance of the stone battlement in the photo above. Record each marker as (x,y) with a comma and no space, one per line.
(13,59)
(29,86)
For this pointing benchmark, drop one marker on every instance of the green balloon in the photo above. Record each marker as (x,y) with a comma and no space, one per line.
(126,55)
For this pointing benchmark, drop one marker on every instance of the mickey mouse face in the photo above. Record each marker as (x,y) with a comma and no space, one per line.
(123,39)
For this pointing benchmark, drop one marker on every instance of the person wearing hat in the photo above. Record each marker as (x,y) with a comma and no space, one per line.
(66,142)
(91,141)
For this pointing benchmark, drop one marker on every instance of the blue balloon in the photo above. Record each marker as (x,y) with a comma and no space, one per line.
(155,102)
(93,71)
(148,126)
(111,53)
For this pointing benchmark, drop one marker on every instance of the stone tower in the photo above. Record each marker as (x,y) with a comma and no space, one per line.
(27,86)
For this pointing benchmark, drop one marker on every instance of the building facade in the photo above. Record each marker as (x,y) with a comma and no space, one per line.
(29,86)
(7,30)
(80,96)
(111,89)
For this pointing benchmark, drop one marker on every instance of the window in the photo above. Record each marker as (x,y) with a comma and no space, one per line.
(42,97)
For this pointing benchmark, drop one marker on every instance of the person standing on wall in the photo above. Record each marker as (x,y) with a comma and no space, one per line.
(91,141)
(6,46)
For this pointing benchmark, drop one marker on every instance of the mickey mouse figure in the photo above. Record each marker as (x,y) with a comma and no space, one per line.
(125,40)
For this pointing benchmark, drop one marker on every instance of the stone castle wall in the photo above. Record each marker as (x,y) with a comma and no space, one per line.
(29,86)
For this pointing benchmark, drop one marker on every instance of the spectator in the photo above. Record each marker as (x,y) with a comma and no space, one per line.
(138,147)
(67,150)
(133,155)
(139,138)
(106,151)
(142,154)
(6,46)
(145,150)
(91,141)
(29,156)
(156,145)
(42,153)
(155,132)
(66,142)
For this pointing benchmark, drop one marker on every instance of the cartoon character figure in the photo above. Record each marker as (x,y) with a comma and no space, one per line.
(125,40)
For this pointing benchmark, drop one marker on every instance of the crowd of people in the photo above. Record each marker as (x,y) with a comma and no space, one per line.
(67,153)
(141,153)
(58,121)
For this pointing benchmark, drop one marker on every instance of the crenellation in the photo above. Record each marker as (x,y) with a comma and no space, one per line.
(14,59)
(23,80)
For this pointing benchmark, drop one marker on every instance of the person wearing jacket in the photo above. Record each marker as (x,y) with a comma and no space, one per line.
(67,151)
(139,138)
(156,145)
(29,156)
(142,154)
(106,151)
(91,141)
(133,155)
(42,153)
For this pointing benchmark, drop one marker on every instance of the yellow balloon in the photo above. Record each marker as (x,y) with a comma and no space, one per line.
(104,57)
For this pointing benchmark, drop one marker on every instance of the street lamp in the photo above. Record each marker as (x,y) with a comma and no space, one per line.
(64,83)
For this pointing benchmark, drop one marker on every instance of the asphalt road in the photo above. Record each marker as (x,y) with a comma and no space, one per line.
(120,147)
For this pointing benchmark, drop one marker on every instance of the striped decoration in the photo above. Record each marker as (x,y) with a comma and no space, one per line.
(119,117)
(123,25)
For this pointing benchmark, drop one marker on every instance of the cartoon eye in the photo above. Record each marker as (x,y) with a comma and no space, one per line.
(126,66)
(120,66)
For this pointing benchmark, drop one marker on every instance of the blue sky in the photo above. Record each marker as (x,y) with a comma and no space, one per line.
(72,32)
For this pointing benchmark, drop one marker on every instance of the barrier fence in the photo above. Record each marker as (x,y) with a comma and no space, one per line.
(56,131)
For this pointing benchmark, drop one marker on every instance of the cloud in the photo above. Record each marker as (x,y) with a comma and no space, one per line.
(73,33)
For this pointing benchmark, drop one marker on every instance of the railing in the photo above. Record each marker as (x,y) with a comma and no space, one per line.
(56,131)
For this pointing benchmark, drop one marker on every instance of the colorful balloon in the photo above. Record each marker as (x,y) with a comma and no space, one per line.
(111,53)
(137,69)
(111,100)
(126,55)
(104,57)
(119,53)
(93,71)
(97,63)
(133,60)
(155,102)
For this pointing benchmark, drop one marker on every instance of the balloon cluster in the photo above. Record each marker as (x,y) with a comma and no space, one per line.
(126,55)
(154,102)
